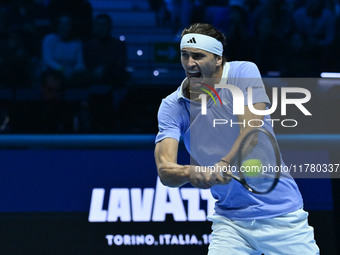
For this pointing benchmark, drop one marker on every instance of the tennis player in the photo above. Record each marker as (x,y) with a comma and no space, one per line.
(243,223)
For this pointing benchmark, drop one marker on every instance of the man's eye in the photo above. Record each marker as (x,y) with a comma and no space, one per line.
(197,56)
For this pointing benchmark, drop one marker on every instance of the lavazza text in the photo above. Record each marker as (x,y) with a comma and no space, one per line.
(150,204)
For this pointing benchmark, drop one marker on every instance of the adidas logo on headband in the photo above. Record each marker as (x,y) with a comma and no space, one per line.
(204,42)
(192,40)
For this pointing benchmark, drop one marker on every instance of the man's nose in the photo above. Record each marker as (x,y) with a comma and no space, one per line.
(191,62)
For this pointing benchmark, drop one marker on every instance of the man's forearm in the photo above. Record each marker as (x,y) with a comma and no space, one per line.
(174,175)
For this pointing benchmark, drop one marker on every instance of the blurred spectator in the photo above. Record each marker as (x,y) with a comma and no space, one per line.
(15,59)
(24,14)
(161,11)
(180,12)
(316,24)
(55,114)
(336,8)
(267,54)
(31,19)
(63,68)
(198,11)
(79,10)
(105,57)
(62,53)
(186,9)
(105,60)
(19,44)
(217,13)
(273,23)
(238,46)
(41,19)
(297,62)
(52,85)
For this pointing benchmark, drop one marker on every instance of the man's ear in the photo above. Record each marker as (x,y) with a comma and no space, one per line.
(218,61)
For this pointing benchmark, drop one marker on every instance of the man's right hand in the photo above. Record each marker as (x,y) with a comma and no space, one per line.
(205,177)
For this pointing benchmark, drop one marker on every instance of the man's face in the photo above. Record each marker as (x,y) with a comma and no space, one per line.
(199,65)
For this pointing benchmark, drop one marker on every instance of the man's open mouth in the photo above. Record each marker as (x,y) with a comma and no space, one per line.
(194,74)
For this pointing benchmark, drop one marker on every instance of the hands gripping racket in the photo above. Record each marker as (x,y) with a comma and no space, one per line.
(257,162)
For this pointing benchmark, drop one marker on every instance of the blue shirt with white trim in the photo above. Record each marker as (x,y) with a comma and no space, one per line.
(179,117)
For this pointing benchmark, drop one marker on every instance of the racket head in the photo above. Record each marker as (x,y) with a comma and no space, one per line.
(258,162)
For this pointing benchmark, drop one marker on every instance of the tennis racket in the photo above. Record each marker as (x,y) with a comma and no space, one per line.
(257,163)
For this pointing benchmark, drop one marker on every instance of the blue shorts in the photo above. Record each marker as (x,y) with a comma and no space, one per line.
(286,234)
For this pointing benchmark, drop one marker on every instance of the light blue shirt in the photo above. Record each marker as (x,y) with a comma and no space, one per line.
(179,117)
(58,54)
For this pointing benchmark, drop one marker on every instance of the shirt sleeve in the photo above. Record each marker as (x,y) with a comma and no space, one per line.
(168,122)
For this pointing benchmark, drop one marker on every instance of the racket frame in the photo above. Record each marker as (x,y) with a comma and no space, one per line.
(241,177)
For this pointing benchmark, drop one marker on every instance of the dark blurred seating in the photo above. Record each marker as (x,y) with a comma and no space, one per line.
(288,38)
(105,60)
(79,10)
(316,24)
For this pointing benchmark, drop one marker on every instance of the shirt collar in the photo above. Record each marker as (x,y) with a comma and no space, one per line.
(182,88)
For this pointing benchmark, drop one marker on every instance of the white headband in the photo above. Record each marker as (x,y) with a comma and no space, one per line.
(202,42)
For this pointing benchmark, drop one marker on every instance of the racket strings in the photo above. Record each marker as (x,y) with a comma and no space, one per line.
(259,147)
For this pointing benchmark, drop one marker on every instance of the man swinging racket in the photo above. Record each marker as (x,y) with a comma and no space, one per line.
(245,221)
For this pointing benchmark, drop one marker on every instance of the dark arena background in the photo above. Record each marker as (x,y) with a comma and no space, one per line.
(80,86)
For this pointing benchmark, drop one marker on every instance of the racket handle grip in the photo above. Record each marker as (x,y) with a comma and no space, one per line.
(224,176)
